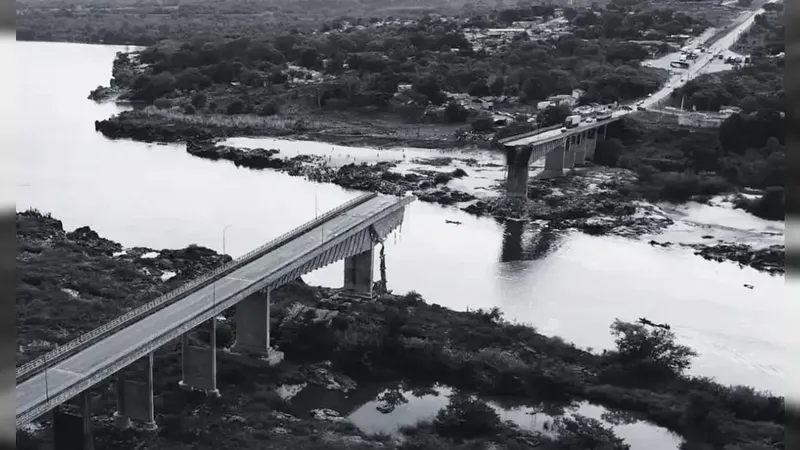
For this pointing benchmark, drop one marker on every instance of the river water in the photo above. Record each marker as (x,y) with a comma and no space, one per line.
(158,196)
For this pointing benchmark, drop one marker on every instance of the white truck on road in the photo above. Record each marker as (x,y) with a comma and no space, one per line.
(572,121)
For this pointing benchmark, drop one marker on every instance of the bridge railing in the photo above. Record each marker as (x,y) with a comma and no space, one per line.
(529,133)
(191,286)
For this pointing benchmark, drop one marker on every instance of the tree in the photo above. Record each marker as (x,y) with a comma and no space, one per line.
(308,58)
(498,86)
(654,347)
(479,88)
(429,87)
(553,115)
(192,78)
(456,113)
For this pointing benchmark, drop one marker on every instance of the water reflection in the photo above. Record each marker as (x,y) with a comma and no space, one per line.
(387,408)
(512,241)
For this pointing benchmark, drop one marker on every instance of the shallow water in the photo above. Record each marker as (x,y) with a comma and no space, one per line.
(370,416)
(159,196)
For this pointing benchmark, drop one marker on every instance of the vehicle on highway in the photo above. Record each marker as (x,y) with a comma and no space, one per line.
(572,121)
(591,120)
(641,108)
(603,115)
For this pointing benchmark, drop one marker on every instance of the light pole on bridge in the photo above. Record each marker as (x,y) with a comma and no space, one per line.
(224,229)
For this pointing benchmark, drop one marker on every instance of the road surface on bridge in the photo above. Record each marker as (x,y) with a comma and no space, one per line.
(63,375)
(675,82)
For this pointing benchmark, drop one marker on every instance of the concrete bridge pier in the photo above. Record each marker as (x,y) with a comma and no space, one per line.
(73,431)
(580,149)
(199,364)
(518,160)
(358,274)
(569,152)
(252,331)
(135,398)
(591,144)
(554,162)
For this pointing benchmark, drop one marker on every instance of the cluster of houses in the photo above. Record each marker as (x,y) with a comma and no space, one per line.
(493,38)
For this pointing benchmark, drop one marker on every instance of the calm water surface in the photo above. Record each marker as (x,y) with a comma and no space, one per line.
(159,196)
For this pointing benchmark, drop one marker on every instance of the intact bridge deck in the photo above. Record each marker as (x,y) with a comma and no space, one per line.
(348,233)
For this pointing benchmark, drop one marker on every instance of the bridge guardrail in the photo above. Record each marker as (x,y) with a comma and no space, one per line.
(167,298)
(529,133)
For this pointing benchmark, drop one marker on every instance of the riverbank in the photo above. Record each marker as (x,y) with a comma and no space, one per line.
(362,130)
(392,338)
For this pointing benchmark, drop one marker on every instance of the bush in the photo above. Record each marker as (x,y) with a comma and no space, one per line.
(199,100)
(235,107)
(483,124)
(455,113)
(163,103)
(268,109)
(643,348)
(769,206)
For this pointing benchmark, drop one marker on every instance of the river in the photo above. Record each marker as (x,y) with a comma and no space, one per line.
(159,196)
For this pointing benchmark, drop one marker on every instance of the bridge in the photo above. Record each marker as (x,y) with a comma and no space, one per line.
(562,149)
(565,150)
(348,232)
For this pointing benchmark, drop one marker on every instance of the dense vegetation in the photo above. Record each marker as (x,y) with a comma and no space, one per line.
(392,338)
(349,67)
(678,163)
(748,150)
(145,22)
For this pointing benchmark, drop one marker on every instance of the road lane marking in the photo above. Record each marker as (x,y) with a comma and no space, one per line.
(69,372)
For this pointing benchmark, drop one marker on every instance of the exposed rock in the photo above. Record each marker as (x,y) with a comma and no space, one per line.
(322,376)
(298,311)
(326,414)
(771,259)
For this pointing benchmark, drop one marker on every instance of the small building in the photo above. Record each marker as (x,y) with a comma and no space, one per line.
(544,105)
(524,24)
(563,99)
(699,120)
(505,32)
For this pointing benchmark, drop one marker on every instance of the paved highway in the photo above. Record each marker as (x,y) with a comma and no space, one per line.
(59,378)
(676,81)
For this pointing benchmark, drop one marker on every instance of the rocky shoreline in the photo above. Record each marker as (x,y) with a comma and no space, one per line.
(391,338)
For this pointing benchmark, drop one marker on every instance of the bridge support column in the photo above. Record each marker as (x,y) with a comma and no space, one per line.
(135,398)
(554,163)
(580,149)
(591,145)
(358,273)
(569,152)
(253,328)
(74,431)
(199,363)
(518,160)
